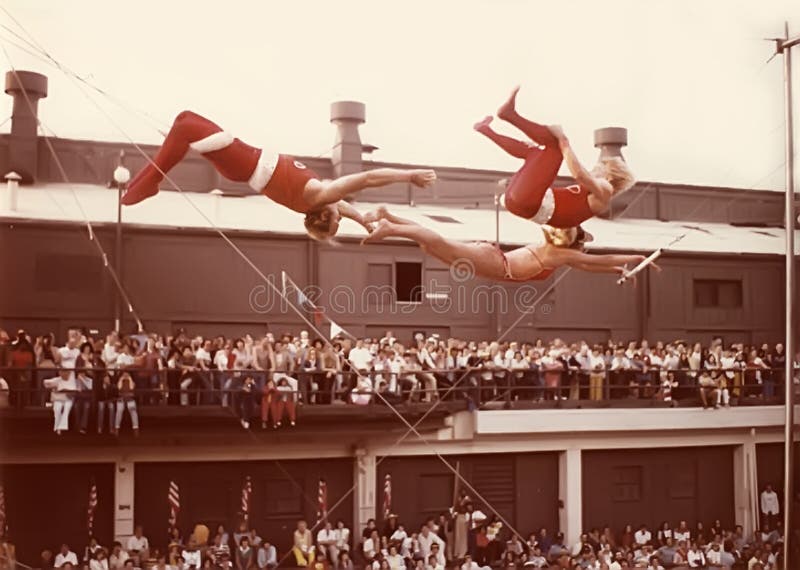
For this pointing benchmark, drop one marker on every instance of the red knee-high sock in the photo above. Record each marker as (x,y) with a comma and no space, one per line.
(231,157)
(535,131)
(511,146)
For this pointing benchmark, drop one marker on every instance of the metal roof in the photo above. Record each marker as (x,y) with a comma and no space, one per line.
(55,202)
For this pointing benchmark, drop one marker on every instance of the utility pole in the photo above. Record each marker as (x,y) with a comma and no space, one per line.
(783,46)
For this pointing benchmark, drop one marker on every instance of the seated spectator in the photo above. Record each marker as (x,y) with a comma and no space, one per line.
(394,559)
(98,560)
(345,563)
(303,548)
(342,534)
(372,545)
(65,555)
(470,564)
(557,549)
(255,540)
(535,558)
(106,394)
(695,557)
(326,542)
(267,556)
(321,562)
(219,548)
(682,533)
(654,564)
(192,557)
(643,536)
(161,564)
(245,558)
(138,546)
(118,557)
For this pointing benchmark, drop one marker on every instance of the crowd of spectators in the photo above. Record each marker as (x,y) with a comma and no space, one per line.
(265,379)
(464,538)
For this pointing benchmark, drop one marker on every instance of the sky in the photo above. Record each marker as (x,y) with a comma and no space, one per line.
(689,79)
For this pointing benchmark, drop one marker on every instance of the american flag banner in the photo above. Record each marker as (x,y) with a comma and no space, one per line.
(322,500)
(247,491)
(387,496)
(174,500)
(2,511)
(92,508)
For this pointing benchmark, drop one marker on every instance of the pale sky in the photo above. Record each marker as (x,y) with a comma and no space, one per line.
(687,78)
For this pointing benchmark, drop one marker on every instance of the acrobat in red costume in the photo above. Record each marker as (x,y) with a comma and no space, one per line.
(278,176)
(530,193)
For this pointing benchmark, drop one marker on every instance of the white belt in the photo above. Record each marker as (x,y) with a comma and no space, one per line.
(264,171)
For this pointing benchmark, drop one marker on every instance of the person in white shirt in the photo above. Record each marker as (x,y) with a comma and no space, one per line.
(65,555)
(682,533)
(138,545)
(770,506)
(470,564)
(110,351)
(63,389)
(714,555)
(395,560)
(695,557)
(642,536)
(191,554)
(342,534)
(360,357)
(99,561)
(326,543)
(426,539)
(118,557)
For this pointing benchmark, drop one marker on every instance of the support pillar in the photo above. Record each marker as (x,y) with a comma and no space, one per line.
(745,486)
(570,495)
(365,477)
(123,500)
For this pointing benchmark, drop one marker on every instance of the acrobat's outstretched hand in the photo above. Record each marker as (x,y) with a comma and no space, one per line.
(422,178)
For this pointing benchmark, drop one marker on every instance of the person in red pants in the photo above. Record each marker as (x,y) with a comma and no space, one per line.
(281,177)
(530,194)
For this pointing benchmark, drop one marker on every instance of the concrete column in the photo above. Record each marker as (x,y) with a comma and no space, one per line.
(123,500)
(365,476)
(570,495)
(745,486)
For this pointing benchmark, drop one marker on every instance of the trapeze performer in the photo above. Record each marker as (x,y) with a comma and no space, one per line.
(529,193)
(529,263)
(279,177)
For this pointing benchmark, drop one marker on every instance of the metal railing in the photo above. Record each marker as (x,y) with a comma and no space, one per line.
(478,386)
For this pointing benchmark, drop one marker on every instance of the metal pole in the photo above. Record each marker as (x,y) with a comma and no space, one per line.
(788,468)
(500,293)
(118,260)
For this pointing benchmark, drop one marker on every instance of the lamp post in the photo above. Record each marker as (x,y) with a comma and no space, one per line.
(121,177)
(784,47)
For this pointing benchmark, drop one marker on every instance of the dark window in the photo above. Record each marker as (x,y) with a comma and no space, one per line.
(284,499)
(408,281)
(67,272)
(443,219)
(718,293)
(434,493)
(626,484)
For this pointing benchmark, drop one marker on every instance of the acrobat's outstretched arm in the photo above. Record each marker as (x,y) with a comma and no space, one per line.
(330,192)
(346,210)
(597,186)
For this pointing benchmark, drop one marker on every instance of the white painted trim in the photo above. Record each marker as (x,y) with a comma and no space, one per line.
(217,141)
(263,172)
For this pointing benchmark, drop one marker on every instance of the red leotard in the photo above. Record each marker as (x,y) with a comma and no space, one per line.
(530,194)
(572,207)
(288,182)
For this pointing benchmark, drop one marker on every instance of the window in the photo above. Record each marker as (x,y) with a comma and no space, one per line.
(408,281)
(284,499)
(626,484)
(718,293)
(379,274)
(434,493)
